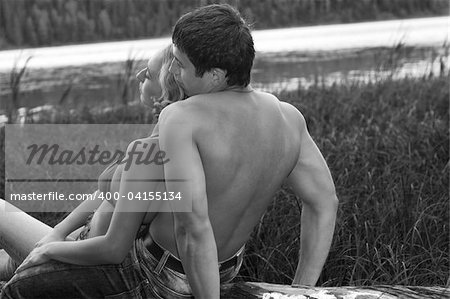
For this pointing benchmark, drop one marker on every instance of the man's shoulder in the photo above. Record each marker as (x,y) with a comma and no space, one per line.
(291,109)
(182,113)
(177,110)
(285,106)
(292,116)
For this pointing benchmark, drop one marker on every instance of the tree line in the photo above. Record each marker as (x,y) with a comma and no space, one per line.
(31,23)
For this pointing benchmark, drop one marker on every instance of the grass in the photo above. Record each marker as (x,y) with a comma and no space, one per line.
(16,75)
(387,145)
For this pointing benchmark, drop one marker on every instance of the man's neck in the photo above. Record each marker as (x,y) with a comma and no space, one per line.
(236,88)
(226,87)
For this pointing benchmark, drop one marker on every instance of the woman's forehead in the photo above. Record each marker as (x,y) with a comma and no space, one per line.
(155,61)
(180,56)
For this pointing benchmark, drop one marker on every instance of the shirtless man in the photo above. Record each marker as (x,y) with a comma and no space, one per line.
(236,146)
(241,145)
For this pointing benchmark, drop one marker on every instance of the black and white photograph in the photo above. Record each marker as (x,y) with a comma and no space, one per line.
(268,149)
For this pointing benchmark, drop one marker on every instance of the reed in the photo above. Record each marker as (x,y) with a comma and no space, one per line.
(387,145)
(125,80)
(15,78)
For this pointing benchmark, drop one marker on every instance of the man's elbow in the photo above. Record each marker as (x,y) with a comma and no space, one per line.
(334,204)
(324,203)
(194,230)
(332,201)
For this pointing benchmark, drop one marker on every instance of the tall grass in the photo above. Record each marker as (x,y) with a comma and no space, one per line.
(387,145)
(15,79)
(125,80)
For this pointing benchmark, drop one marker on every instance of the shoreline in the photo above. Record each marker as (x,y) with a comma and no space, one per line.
(411,32)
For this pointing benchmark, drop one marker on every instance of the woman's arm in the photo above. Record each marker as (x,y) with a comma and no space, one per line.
(127,217)
(74,220)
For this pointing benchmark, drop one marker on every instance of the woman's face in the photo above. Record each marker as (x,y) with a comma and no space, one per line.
(149,80)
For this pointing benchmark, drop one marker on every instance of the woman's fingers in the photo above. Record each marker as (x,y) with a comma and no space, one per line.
(35,258)
(51,237)
(22,266)
(27,263)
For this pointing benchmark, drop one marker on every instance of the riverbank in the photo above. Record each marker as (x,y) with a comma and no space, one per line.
(420,32)
(387,146)
(74,87)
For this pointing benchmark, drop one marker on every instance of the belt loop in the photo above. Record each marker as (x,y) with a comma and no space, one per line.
(162,262)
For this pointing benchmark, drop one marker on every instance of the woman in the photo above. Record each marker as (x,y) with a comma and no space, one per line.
(158,89)
(110,246)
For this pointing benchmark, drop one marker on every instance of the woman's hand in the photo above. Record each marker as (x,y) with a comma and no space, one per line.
(36,257)
(53,236)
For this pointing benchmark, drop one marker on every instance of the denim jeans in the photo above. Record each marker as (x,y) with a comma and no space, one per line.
(140,275)
(168,283)
(7,268)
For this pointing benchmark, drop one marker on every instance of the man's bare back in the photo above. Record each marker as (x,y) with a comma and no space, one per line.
(232,148)
(249,142)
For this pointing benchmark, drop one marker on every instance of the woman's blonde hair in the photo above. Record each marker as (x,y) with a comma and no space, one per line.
(171,91)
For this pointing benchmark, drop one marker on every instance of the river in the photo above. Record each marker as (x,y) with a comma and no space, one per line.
(90,74)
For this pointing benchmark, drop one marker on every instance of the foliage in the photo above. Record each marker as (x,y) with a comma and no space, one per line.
(25,23)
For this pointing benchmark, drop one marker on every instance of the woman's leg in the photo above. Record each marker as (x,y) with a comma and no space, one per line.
(19,232)
(7,266)
(54,279)
(73,235)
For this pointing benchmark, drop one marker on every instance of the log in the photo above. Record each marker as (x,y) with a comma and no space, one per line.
(254,290)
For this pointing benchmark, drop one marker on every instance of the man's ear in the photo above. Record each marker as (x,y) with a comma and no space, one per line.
(218,76)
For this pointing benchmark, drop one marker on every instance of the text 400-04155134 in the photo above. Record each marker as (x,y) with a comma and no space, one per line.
(141,195)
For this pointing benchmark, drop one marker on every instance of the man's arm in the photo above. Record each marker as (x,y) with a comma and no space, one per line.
(193,231)
(312,182)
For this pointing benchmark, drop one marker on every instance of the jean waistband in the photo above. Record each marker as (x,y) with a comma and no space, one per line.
(173,263)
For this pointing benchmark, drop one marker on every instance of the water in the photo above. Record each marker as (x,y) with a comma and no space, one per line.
(288,71)
(92,74)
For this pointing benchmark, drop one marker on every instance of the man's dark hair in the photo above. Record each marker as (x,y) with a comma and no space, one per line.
(216,36)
